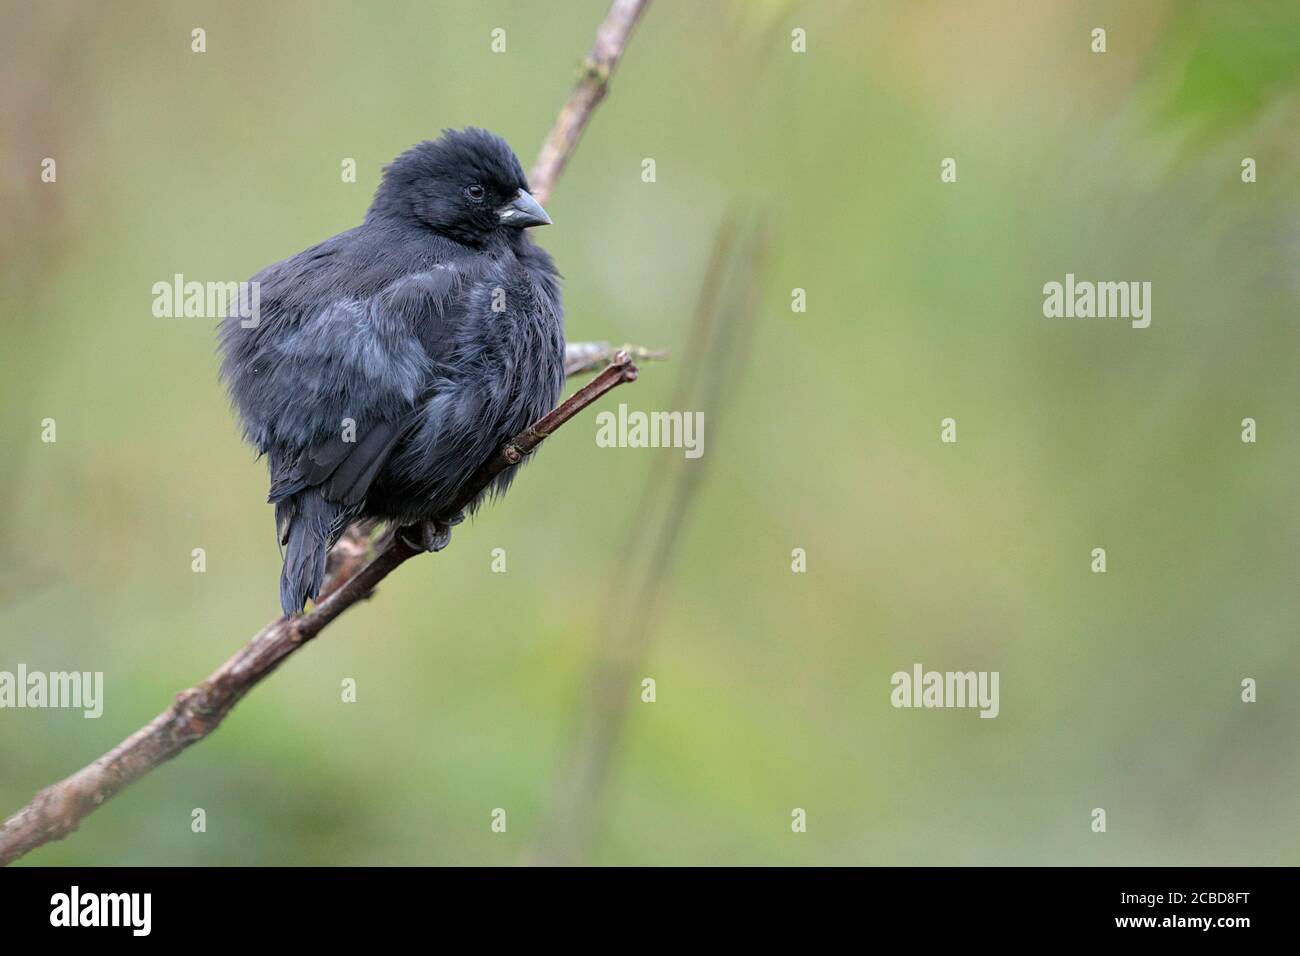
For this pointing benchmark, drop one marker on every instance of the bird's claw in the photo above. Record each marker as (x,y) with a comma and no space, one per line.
(431,535)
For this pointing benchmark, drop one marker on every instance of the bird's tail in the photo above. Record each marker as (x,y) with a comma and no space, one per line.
(307,522)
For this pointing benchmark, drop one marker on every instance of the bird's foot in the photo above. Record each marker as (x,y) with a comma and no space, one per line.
(433,535)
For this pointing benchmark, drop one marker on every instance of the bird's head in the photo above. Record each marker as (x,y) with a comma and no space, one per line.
(467,185)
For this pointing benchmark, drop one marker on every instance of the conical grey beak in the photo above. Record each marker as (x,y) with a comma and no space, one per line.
(523,211)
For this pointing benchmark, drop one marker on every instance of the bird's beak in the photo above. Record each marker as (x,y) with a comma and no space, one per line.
(523,210)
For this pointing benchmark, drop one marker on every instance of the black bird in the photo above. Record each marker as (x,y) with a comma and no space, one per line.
(390,362)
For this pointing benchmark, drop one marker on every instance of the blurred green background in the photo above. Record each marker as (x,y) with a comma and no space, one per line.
(1118,690)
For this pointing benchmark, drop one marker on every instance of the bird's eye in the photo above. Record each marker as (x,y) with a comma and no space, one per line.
(475,192)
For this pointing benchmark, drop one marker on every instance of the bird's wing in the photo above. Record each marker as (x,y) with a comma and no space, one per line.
(329,392)
(343,470)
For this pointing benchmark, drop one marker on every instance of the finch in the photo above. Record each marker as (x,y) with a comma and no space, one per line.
(388,363)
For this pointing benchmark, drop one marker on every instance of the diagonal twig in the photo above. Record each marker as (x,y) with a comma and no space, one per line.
(57,810)
(593,84)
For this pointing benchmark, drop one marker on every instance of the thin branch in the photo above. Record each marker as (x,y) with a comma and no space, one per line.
(593,84)
(57,810)
(580,357)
